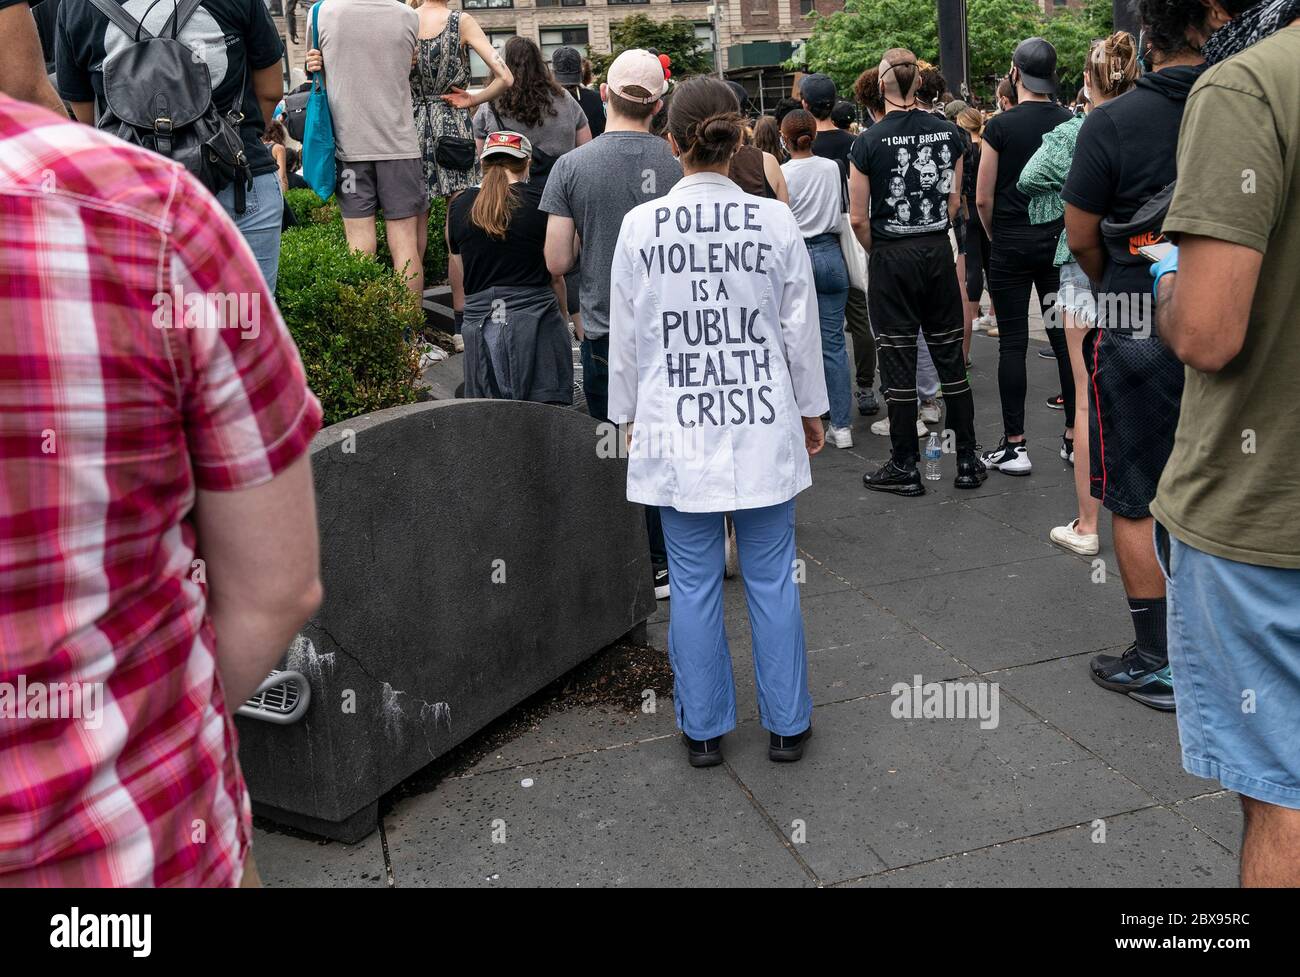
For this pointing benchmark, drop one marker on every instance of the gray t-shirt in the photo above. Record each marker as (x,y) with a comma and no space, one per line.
(366,46)
(557,134)
(596,185)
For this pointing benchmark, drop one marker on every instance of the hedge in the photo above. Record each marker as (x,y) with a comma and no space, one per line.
(354,320)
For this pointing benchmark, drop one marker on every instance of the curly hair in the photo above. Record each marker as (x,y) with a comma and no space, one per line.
(1165,23)
(932,84)
(867,91)
(531,99)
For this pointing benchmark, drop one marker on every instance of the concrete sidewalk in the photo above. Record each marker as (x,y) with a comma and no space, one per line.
(1074,786)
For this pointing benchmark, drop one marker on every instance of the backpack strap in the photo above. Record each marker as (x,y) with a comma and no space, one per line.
(114,12)
(180,16)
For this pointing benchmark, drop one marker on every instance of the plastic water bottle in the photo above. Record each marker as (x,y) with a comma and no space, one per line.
(933,452)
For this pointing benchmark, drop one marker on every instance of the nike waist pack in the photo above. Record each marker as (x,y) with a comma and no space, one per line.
(1145,227)
(158,95)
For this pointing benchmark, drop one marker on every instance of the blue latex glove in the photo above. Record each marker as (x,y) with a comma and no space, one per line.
(1167,264)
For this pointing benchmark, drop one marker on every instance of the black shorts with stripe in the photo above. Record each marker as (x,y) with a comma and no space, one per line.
(1135,389)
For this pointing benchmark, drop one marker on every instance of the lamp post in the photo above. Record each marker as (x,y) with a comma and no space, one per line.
(954,56)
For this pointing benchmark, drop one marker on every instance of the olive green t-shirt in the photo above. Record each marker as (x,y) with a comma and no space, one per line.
(1232,485)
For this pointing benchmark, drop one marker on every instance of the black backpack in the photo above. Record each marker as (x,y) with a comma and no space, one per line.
(158,95)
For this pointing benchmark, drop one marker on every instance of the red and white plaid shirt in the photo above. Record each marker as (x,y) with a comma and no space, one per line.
(108,425)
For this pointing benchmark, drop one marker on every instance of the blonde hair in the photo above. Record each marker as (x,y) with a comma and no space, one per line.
(972,120)
(1113,64)
(496,203)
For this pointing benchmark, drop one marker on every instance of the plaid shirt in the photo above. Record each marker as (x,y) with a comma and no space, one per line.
(108,425)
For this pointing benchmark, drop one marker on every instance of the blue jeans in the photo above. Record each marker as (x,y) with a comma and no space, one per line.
(831,279)
(260,222)
(704,693)
(1233,633)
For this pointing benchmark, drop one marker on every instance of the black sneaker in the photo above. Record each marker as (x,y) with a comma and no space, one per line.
(892,477)
(787,749)
(1011,459)
(868,406)
(1056,403)
(703,753)
(971,472)
(1046,353)
(661,582)
(1129,674)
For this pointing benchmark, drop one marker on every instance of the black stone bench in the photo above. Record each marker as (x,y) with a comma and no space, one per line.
(472,551)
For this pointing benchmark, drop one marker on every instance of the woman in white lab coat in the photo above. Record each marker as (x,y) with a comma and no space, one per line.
(715,364)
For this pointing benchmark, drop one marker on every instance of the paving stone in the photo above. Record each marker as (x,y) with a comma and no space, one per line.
(1147,849)
(875,791)
(1140,743)
(581,730)
(293,862)
(627,817)
(1217,814)
(1000,616)
(918,542)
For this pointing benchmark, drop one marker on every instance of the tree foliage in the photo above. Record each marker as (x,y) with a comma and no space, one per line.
(675,38)
(846,43)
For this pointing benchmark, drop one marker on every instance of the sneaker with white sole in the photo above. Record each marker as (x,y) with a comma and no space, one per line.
(881,427)
(1010,459)
(1085,544)
(841,437)
(930,412)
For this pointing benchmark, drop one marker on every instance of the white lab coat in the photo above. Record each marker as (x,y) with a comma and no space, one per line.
(714,348)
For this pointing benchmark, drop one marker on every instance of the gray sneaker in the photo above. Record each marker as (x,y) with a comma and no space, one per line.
(868,406)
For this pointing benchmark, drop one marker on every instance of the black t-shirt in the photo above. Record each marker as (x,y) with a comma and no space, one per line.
(234,38)
(519,260)
(836,144)
(910,160)
(1016,135)
(1125,154)
(593,109)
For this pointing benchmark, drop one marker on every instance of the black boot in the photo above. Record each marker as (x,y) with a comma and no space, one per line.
(787,749)
(703,753)
(971,472)
(895,478)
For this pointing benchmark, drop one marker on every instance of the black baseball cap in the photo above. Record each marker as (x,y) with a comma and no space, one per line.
(844,114)
(1035,58)
(817,90)
(566,65)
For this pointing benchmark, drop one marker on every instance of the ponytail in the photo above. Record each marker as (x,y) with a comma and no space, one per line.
(496,203)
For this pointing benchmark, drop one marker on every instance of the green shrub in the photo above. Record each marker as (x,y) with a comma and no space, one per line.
(351,318)
(308,209)
(435,253)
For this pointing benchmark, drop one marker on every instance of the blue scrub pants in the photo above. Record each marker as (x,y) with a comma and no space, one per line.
(705,692)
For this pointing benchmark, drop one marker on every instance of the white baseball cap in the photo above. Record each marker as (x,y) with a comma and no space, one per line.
(640,68)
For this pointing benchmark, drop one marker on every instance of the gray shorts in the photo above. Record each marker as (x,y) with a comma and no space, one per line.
(395,186)
(1076,295)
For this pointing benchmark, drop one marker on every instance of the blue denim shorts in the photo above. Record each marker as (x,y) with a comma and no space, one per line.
(1234,649)
(1075,294)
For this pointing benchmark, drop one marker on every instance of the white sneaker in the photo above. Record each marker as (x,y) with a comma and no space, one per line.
(930,412)
(1085,544)
(1010,459)
(881,427)
(458,341)
(841,437)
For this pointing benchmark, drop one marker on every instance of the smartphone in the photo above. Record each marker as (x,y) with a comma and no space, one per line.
(1155,252)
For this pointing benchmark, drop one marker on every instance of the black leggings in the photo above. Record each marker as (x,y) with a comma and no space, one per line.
(1014,268)
(977,259)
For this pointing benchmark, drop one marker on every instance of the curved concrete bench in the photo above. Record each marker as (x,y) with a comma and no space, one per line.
(472,552)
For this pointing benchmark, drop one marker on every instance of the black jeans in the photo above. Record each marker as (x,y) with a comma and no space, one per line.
(864,343)
(1017,264)
(977,259)
(912,285)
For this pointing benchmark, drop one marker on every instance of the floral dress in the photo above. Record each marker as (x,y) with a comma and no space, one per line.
(441,64)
